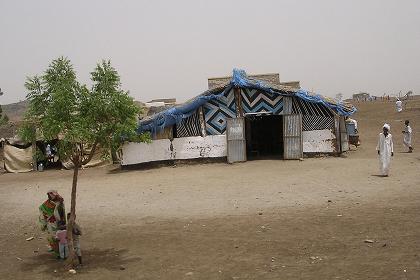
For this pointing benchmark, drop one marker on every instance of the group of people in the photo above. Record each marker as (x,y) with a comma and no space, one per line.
(52,219)
(385,146)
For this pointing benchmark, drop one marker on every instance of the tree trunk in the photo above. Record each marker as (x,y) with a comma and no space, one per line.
(34,161)
(72,254)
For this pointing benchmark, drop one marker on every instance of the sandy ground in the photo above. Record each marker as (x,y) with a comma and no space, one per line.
(265,219)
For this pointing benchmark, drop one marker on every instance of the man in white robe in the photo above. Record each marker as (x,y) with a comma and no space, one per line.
(385,150)
(398,105)
(407,136)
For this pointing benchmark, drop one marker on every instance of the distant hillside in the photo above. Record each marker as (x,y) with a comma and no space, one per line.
(15,111)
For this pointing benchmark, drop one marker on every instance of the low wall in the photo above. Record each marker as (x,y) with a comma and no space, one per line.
(180,148)
(319,141)
(214,146)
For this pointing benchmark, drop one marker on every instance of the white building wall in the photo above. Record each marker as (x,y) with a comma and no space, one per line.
(180,148)
(199,147)
(134,153)
(319,141)
(316,141)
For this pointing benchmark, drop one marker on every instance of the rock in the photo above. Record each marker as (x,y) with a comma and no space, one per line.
(329,200)
(384,245)
(36,251)
(189,273)
(19,259)
(55,271)
(313,258)
(369,241)
(72,271)
(260,213)
(339,215)
(122,267)
(30,238)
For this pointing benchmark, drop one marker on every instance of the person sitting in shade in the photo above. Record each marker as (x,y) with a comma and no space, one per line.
(407,136)
(385,150)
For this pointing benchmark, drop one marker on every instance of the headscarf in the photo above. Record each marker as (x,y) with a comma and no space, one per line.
(53,194)
(387,126)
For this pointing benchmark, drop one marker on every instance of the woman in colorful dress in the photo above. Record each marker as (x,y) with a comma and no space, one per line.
(51,212)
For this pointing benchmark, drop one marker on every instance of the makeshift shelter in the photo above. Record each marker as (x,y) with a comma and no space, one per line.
(241,119)
(17,155)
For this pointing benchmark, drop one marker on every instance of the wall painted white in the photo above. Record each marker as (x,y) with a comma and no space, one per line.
(200,147)
(181,148)
(318,141)
(212,146)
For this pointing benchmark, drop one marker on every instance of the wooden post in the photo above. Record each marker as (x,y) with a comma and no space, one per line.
(337,134)
(238,102)
(202,121)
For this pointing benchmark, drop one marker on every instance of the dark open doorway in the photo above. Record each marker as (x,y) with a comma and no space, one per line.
(264,136)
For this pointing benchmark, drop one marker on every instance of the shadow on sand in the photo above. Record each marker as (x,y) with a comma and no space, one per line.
(93,259)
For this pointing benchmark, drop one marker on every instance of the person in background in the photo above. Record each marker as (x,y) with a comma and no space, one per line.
(398,105)
(353,121)
(385,150)
(407,136)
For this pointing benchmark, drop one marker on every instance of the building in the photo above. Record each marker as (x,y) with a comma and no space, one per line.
(362,96)
(241,119)
(161,102)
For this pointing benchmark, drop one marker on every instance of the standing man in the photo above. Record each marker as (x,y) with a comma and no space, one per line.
(398,105)
(385,150)
(407,136)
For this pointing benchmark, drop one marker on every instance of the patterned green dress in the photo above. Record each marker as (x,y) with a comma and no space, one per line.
(50,213)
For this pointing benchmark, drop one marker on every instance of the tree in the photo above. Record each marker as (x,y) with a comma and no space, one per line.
(82,119)
(3,118)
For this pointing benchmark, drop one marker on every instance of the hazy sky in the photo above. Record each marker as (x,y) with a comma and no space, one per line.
(170,48)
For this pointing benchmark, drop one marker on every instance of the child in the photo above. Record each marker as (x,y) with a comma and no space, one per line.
(77,232)
(61,236)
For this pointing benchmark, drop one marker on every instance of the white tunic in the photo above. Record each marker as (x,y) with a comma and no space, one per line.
(407,136)
(385,148)
(398,104)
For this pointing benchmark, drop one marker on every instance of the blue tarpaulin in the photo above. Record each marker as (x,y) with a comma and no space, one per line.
(175,114)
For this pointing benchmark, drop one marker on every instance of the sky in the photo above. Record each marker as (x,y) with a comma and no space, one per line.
(166,49)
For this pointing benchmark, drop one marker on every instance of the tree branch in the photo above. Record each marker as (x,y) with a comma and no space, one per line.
(92,152)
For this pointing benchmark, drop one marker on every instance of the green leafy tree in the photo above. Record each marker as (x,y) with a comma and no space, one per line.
(82,119)
(3,118)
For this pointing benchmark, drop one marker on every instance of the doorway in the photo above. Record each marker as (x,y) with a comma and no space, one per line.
(264,136)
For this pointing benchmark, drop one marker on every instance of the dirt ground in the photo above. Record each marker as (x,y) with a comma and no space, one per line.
(267,219)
